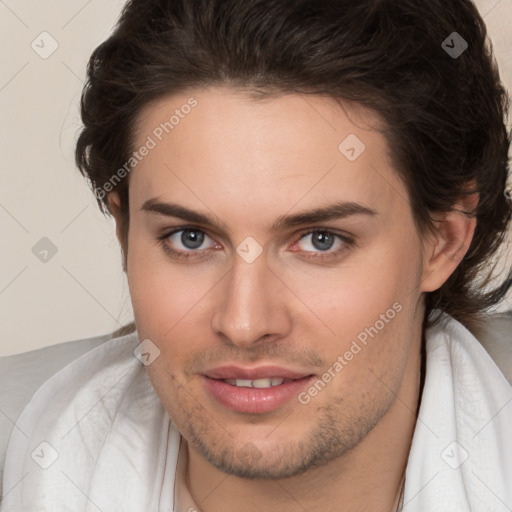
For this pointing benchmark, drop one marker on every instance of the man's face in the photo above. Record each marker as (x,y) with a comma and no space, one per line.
(262,293)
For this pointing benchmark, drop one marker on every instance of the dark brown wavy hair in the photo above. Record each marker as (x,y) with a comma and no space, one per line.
(445,117)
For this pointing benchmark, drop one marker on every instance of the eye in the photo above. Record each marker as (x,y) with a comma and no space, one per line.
(191,242)
(186,242)
(320,240)
(189,239)
(322,243)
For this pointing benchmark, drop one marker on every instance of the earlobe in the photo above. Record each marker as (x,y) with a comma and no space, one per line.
(446,247)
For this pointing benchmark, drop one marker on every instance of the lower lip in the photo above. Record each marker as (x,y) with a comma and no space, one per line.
(255,400)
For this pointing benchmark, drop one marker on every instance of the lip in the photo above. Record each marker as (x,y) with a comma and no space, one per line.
(254,400)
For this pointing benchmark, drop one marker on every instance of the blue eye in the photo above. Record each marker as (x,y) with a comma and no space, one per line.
(190,242)
(323,243)
(190,238)
(187,243)
(321,240)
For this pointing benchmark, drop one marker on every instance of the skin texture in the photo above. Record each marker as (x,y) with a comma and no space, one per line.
(246,163)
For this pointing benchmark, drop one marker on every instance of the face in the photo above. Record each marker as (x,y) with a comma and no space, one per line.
(267,249)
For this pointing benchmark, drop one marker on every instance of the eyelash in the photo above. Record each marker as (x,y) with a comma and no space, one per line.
(347,244)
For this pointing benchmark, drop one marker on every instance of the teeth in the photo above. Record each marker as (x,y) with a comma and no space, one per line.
(267,383)
(257,383)
(241,383)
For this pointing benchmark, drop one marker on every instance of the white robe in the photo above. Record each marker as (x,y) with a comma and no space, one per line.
(95,436)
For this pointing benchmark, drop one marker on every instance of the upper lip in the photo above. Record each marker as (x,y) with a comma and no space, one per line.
(260,372)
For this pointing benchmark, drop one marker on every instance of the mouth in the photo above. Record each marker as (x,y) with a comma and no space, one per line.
(257,390)
(257,383)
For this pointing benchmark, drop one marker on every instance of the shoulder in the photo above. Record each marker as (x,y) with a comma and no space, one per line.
(495,335)
(489,340)
(23,374)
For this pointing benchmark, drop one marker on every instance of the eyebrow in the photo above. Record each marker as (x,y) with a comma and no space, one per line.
(335,211)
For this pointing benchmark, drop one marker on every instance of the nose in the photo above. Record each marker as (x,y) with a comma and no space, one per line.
(251,306)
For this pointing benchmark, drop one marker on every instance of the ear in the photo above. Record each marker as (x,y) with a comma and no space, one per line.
(114,205)
(445,248)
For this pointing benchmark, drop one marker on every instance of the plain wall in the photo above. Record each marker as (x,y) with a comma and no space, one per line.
(80,291)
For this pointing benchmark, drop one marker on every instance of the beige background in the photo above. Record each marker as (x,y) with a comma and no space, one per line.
(81,290)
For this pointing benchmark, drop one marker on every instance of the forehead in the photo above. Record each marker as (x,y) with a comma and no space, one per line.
(223,148)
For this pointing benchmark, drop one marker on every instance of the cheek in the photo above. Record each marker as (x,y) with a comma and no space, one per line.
(331,307)
(157,297)
(170,302)
(366,310)
(342,301)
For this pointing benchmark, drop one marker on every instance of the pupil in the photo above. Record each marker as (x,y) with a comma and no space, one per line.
(323,241)
(192,239)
